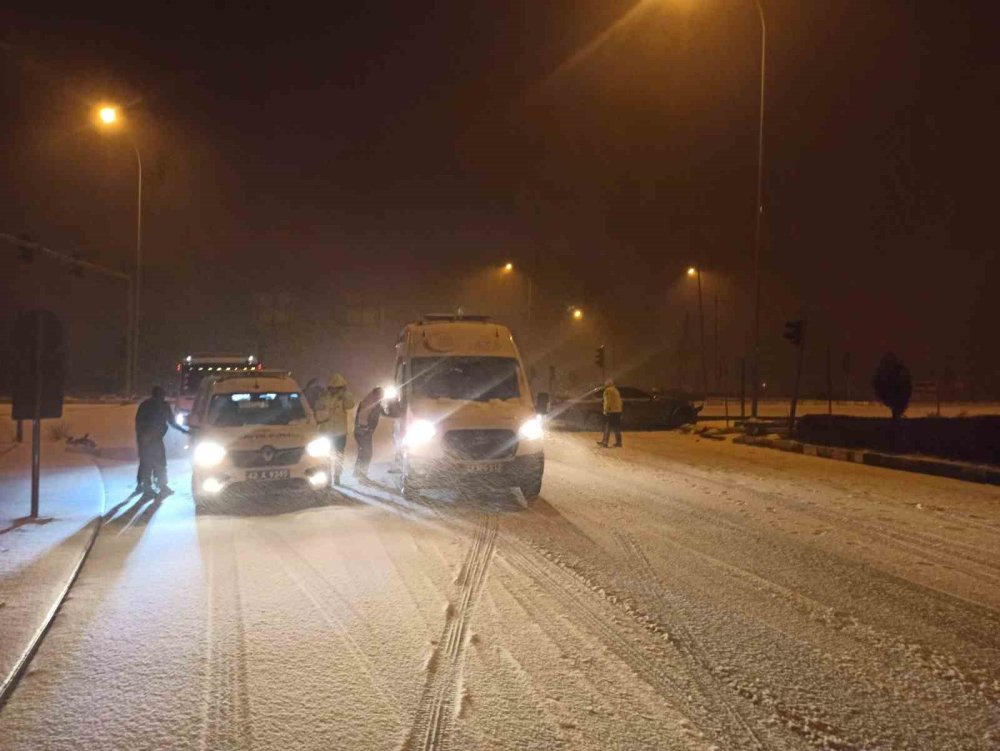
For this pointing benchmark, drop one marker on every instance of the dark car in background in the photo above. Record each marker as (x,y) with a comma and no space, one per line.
(642,410)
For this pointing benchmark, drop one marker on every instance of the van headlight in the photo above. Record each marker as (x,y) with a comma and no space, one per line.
(319,447)
(208,454)
(532,429)
(419,433)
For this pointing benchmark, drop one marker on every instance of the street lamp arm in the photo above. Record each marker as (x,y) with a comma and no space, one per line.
(64,258)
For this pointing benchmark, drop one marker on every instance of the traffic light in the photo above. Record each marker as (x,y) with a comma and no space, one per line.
(795,332)
(599,357)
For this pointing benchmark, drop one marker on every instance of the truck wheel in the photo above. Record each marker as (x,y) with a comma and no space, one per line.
(199,498)
(408,488)
(532,487)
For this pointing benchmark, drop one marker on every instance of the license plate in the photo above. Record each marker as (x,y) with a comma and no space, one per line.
(268,474)
(486,468)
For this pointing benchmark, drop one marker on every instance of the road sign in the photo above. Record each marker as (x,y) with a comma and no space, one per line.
(39,372)
(39,366)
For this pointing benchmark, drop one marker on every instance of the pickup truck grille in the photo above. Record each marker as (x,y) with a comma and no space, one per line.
(266,457)
(480,444)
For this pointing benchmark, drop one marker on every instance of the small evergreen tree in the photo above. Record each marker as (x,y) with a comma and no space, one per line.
(892,384)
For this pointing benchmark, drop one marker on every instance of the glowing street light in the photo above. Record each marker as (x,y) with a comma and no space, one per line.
(576,313)
(692,271)
(107,116)
(508,267)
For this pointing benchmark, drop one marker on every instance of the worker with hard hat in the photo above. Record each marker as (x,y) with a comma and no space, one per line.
(332,407)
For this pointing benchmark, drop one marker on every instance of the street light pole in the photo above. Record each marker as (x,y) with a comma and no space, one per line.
(108,117)
(138,273)
(701,325)
(760,211)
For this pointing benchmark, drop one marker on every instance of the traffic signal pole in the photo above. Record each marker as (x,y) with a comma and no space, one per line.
(795,332)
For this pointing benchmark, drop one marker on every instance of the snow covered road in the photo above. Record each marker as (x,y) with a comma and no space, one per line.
(677,594)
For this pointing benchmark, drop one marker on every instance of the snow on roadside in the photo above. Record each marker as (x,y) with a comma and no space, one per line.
(38,556)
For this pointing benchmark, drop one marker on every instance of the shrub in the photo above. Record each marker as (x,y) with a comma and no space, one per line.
(892,384)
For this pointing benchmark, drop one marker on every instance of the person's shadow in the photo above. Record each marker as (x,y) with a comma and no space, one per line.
(137,509)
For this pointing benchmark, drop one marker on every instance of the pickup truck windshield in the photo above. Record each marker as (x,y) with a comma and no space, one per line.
(467,378)
(272,408)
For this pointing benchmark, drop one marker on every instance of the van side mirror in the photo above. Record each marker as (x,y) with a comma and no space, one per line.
(542,403)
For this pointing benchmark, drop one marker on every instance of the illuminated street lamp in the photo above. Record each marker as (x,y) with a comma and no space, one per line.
(508,267)
(576,313)
(107,117)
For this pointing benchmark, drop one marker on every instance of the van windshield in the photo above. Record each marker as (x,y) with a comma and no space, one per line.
(467,378)
(272,408)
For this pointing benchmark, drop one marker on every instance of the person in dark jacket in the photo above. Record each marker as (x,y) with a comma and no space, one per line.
(152,419)
(365,421)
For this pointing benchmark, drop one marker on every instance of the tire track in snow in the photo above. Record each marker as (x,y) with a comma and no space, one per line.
(440,702)
(226,719)
(690,691)
(685,643)
(648,661)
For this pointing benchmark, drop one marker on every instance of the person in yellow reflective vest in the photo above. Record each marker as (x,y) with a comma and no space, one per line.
(612,415)
(332,407)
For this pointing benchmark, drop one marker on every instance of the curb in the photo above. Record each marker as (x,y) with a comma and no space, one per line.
(923,465)
(11,680)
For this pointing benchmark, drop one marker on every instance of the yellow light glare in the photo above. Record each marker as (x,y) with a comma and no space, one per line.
(508,266)
(577,314)
(692,271)
(108,115)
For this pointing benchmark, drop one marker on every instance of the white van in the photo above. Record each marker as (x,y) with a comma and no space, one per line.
(463,407)
(255,430)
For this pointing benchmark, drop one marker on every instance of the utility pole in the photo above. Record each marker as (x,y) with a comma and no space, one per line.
(718,362)
(829,382)
(743,388)
(759,213)
(704,354)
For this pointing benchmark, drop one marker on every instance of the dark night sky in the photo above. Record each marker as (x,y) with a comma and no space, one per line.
(445,135)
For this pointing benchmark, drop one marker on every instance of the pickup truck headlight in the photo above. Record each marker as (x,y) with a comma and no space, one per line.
(532,429)
(319,447)
(208,454)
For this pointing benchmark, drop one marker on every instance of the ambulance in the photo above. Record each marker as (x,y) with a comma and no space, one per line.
(463,408)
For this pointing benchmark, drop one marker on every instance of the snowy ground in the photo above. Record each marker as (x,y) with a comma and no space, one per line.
(676,594)
(39,555)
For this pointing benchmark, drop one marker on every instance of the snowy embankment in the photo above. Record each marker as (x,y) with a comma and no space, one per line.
(38,557)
